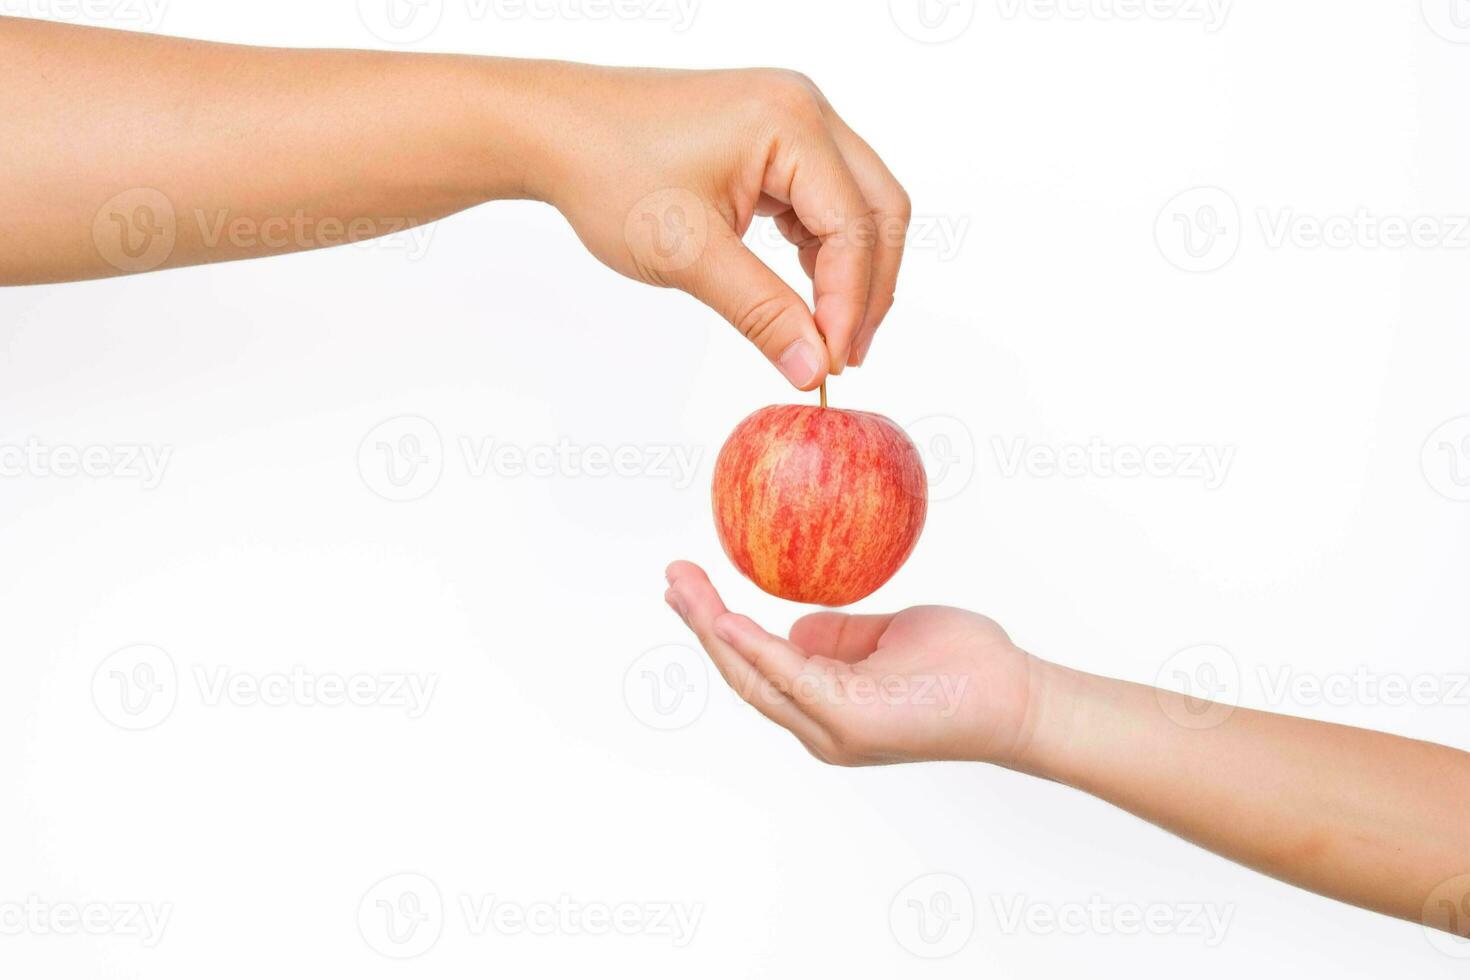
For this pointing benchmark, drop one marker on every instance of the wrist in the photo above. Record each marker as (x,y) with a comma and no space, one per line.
(526,114)
(487,126)
(1047,743)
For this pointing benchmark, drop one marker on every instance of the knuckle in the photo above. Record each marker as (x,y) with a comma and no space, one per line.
(787,91)
(900,205)
(759,320)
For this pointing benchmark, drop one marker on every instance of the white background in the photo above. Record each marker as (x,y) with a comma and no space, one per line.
(1051,147)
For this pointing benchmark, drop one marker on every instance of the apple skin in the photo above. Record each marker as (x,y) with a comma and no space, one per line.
(819,505)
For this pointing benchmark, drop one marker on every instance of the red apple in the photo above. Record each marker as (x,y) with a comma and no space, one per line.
(819,505)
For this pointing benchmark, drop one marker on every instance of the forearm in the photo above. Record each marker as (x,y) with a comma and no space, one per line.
(1364,817)
(255,150)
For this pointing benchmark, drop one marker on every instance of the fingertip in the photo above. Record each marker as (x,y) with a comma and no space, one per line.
(802,364)
(812,625)
(679,569)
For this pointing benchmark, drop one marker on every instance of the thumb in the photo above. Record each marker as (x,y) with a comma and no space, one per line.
(757,302)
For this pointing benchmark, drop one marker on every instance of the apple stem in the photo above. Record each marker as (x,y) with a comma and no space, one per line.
(824,394)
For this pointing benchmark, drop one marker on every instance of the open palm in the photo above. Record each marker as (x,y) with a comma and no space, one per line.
(931,682)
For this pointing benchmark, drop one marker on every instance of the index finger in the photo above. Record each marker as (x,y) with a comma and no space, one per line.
(830,204)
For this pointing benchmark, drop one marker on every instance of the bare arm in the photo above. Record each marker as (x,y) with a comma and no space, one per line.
(126,153)
(1364,817)
(210,137)
(1376,820)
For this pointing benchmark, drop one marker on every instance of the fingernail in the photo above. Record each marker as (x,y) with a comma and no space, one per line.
(799,363)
